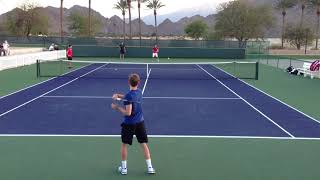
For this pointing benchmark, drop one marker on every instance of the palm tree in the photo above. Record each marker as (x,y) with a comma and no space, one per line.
(139,12)
(283,5)
(61,19)
(316,3)
(129,10)
(89,16)
(303,7)
(122,6)
(155,5)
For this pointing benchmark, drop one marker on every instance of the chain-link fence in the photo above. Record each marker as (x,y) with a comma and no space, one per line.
(252,47)
(281,62)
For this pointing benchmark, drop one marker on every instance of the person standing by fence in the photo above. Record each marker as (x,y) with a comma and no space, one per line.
(69,56)
(1,50)
(122,50)
(6,48)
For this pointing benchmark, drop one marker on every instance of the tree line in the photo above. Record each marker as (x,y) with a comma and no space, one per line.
(242,21)
(237,19)
(29,19)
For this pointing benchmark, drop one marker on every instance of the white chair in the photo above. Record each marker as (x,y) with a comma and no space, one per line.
(306,71)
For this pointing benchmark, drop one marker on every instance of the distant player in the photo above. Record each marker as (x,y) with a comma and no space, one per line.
(122,48)
(69,56)
(155,52)
(133,123)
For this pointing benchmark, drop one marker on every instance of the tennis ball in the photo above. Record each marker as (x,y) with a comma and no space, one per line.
(168,58)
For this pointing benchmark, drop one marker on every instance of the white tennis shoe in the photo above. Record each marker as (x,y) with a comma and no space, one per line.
(151,170)
(123,171)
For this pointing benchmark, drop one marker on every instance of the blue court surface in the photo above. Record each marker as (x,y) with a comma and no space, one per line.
(192,102)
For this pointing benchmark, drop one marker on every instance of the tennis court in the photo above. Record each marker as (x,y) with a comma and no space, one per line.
(185,106)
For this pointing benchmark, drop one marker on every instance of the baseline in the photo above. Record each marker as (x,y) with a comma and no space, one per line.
(160,136)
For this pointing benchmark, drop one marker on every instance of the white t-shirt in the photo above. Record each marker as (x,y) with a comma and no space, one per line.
(5,46)
(51,48)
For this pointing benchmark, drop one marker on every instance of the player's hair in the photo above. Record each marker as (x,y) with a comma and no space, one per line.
(134,79)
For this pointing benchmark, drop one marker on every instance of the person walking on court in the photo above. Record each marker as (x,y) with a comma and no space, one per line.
(155,52)
(122,50)
(133,123)
(69,55)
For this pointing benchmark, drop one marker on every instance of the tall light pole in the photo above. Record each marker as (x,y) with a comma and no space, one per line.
(61,19)
(89,18)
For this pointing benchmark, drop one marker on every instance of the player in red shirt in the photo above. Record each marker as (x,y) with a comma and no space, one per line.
(69,55)
(155,51)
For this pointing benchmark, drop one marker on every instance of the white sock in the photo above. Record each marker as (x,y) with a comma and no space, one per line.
(124,164)
(148,161)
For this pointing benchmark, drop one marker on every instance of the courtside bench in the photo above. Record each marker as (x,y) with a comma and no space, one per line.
(306,71)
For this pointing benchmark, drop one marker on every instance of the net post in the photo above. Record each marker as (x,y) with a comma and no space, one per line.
(234,66)
(257,71)
(38,68)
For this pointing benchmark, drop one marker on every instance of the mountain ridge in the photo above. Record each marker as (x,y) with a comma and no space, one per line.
(113,25)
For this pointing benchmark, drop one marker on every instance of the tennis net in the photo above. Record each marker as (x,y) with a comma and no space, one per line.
(152,70)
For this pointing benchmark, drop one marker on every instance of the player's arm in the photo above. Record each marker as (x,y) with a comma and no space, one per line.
(125,111)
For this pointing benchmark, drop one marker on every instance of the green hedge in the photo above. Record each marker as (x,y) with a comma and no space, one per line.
(145,52)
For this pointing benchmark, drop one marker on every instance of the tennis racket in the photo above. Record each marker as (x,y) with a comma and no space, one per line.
(120,101)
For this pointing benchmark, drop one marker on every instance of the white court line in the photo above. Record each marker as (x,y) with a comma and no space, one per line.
(145,83)
(247,102)
(109,97)
(312,118)
(80,97)
(192,98)
(15,92)
(162,136)
(50,91)
(164,69)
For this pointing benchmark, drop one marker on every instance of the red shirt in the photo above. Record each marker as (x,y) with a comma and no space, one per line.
(69,52)
(155,50)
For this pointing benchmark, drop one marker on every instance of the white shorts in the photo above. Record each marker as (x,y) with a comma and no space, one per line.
(154,55)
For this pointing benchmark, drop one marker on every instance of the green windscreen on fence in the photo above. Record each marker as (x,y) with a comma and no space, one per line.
(146,52)
(255,46)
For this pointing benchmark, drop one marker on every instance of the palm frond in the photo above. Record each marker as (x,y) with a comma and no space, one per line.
(154,4)
(285,4)
(121,5)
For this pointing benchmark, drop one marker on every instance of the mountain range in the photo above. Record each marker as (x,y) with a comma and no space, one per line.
(202,10)
(170,24)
